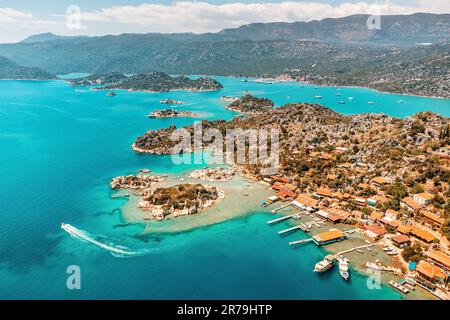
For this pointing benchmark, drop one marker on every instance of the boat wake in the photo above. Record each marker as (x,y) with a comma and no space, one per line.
(103,243)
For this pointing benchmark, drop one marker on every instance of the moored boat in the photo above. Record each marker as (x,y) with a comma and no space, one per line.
(343,268)
(325,264)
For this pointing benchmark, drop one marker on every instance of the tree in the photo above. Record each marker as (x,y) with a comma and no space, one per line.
(413,253)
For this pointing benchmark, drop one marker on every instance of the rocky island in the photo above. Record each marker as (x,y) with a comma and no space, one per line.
(171,113)
(150,82)
(179,200)
(249,104)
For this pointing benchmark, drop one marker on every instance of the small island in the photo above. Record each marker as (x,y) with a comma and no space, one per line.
(180,200)
(171,101)
(249,104)
(148,82)
(137,182)
(171,113)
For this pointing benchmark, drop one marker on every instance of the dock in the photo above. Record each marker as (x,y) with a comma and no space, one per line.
(399,286)
(288,230)
(300,241)
(281,218)
(282,207)
(355,248)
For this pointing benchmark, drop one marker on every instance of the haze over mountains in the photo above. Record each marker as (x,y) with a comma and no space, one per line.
(341,50)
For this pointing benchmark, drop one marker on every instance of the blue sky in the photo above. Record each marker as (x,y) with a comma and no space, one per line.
(21,18)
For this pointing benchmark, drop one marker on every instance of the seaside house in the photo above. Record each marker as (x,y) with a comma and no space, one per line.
(432,220)
(286,194)
(430,275)
(334,215)
(401,241)
(392,214)
(324,193)
(404,229)
(423,235)
(423,198)
(440,259)
(327,237)
(410,204)
(374,232)
(375,216)
(304,201)
(389,222)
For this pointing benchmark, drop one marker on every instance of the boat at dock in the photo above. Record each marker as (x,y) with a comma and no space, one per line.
(343,268)
(324,265)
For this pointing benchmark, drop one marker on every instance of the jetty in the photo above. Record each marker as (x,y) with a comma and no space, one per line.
(289,230)
(300,241)
(282,207)
(399,286)
(281,218)
(355,248)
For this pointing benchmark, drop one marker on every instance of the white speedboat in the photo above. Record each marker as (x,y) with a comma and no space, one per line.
(343,268)
(370,102)
(325,264)
(400,101)
(317,97)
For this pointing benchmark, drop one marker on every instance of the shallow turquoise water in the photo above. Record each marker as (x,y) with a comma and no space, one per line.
(60,149)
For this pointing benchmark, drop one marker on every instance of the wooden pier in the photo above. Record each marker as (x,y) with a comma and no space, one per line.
(281,218)
(282,207)
(355,248)
(300,241)
(288,230)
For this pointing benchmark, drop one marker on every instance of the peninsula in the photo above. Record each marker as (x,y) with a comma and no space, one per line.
(10,70)
(389,178)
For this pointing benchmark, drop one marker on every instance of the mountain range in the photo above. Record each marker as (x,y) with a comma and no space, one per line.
(341,50)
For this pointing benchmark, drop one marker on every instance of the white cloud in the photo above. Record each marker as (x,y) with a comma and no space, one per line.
(8,15)
(199,17)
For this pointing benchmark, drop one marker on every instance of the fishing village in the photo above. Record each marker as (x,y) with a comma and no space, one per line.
(317,215)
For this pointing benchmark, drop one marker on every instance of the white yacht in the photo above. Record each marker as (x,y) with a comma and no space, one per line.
(343,268)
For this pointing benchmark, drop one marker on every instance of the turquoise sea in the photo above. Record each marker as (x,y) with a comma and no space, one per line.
(59,150)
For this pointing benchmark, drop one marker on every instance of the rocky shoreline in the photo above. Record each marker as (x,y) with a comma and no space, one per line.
(213,174)
(250,105)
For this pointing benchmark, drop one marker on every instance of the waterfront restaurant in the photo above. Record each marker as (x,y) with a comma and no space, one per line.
(327,237)
(431,274)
